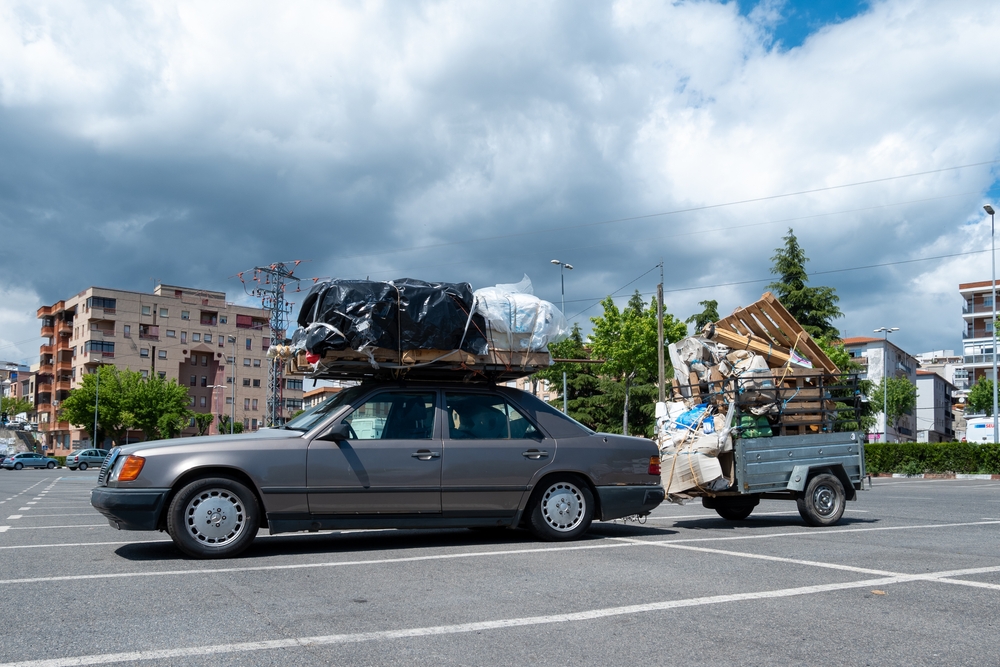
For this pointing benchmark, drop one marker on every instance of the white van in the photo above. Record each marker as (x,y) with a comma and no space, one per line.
(979,429)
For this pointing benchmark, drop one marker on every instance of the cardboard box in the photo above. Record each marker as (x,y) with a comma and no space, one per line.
(688,470)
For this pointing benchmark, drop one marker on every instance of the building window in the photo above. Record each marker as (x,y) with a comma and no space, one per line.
(256,363)
(250,344)
(127,330)
(162,354)
(101,302)
(208,338)
(102,347)
(223,319)
(163,312)
(185,315)
(162,374)
(265,343)
(143,352)
(246,403)
(196,338)
(192,401)
(191,421)
(246,382)
(246,423)
(171,333)
(209,319)
(229,380)
(145,373)
(253,424)
(256,383)
(204,381)
(246,362)
(988,301)
(254,405)
(989,327)
(204,360)
(294,385)
(202,401)
(184,336)
(194,380)
(146,310)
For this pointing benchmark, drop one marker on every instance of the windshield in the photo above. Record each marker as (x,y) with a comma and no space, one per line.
(317,413)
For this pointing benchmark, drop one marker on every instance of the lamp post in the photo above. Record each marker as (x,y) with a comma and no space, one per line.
(993,316)
(97,401)
(562,305)
(885,377)
(232,418)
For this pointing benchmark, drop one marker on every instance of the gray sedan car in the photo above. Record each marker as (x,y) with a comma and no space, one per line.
(379,455)
(27,460)
(86,458)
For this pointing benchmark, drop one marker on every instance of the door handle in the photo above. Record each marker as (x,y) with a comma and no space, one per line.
(534,454)
(425,454)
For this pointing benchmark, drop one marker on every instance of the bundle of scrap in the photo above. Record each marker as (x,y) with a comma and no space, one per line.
(756,373)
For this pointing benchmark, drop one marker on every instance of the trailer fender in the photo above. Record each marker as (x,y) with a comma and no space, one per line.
(802,474)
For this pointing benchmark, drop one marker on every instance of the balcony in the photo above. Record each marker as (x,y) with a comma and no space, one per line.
(103,333)
(64,365)
(46,349)
(48,331)
(978,359)
(63,385)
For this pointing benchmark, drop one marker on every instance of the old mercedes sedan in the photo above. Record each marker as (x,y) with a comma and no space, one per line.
(380,455)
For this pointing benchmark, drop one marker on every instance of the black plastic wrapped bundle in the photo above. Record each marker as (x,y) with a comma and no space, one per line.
(402,314)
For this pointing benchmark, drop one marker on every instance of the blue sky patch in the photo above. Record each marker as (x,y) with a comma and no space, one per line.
(801,18)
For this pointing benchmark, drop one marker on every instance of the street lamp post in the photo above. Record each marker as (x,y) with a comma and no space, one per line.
(97,400)
(993,316)
(232,418)
(562,305)
(885,377)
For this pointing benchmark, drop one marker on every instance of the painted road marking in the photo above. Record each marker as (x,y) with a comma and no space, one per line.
(23,509)
(15,516)
(4,529)
(75,544)
(462,628)
(39,516)
(88,525)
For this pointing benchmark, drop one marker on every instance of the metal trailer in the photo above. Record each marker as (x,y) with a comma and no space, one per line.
(820,466)
(820,472)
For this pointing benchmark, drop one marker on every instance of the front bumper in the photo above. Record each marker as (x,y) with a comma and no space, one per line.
(620,501)
(130,509)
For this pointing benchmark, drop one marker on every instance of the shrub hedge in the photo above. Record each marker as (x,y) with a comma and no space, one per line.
(932,457)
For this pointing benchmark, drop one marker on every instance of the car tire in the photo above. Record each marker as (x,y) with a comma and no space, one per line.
(822,502)
(213,517)
(18,466)
(562,509)
(735,510)
(51,465)
(82,466)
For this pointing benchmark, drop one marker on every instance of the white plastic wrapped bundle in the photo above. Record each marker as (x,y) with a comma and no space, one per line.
(518,320)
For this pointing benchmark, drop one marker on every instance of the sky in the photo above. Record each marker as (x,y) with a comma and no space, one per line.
(186,142)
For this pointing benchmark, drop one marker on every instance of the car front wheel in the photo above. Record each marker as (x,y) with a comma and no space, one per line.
(50,465)
(213,517)
(562,510)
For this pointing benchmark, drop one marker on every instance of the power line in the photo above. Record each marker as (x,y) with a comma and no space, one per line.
(678,211)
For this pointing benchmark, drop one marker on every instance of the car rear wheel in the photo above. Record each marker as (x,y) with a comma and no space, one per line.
(18,466)
(51,465)
(214,517)
(83,466)
(562,509)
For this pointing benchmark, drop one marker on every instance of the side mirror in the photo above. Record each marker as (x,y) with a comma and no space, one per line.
(337,433)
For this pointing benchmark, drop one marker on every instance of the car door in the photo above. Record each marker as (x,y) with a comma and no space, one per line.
(390,463)
(491,454)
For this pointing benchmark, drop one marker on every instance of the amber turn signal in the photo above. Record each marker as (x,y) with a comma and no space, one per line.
(133,466)
(654,465)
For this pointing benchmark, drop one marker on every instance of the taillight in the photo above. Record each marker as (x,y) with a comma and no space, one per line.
(131,468)
(654,465)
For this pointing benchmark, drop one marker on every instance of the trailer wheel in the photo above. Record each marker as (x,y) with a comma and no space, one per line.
(735,510)
(822,503)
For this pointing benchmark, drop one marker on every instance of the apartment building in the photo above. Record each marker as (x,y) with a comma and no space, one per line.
(948,365)
(977,334)
(935,417)
(878,358)
(189,335)
(17,381)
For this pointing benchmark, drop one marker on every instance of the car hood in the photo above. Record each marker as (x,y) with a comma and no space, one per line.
(256,436)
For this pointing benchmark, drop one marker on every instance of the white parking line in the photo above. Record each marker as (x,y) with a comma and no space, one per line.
(39,516)
(15,516)
(810,531)
(73,544)
(23,509)
(4,529)
(86,525)
(481,626)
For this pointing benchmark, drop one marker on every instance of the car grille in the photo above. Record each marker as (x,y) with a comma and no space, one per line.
(102,477)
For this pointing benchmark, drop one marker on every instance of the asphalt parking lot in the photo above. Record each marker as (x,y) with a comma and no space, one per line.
(910,576)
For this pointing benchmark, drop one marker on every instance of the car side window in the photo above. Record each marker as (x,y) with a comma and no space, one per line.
(394,416)
(485,417)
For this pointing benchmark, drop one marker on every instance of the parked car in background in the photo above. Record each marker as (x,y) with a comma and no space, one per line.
(384,455)
(86,458)
(28,460)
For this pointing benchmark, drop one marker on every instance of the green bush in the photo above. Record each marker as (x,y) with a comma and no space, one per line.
(932,457)
(61,459)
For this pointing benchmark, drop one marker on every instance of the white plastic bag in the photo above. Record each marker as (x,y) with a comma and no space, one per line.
(518,320)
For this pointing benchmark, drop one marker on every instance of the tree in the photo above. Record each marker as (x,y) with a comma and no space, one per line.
(126,401)
(627,342)
(980,399)
(14,405)
(582,383)
(224,425)
(899,395)
(203,420)
(707,316)
(812,307)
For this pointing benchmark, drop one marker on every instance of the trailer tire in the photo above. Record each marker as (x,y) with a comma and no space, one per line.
(822,502)
(735,510)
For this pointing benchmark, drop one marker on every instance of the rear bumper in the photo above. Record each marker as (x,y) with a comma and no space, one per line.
(130,509)
(620,501)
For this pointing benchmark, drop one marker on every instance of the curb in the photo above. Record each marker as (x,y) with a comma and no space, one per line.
(946,475)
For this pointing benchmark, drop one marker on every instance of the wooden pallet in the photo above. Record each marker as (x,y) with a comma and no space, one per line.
(348,363)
